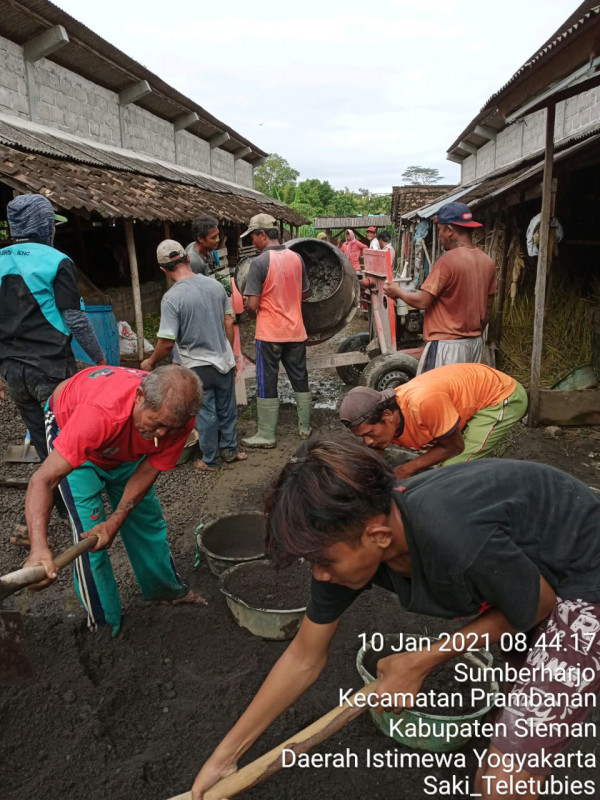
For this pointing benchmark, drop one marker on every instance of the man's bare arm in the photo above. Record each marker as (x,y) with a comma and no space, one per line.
(418,298)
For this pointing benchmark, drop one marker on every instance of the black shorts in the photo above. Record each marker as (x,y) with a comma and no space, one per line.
(268,356)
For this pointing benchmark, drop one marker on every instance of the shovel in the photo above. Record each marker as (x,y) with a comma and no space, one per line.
(21,453)
(14,661)
(262,768)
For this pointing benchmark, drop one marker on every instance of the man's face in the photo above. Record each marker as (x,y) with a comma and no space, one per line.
(446,236)
(377,435)
(211,240)
(349,564)
(259,240)
(150,423)
(370,235)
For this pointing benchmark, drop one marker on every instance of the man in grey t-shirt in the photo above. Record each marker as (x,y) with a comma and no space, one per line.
(205,231)
(196,313)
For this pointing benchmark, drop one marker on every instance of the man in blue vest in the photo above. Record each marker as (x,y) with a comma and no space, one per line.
(39,313)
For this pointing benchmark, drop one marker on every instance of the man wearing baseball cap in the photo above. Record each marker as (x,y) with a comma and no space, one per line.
(196,313)
(455,413)
(372,237)
(456,295)
(276,285)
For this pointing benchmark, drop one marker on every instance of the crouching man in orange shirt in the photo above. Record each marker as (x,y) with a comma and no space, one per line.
(454,413)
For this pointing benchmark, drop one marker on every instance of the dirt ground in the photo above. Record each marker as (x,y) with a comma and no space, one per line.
(135,716)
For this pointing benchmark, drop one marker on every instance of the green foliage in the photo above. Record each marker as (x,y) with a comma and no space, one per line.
(275,177)
(421,175)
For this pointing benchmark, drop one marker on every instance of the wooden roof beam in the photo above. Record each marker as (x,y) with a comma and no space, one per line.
(242,153)
(45,43)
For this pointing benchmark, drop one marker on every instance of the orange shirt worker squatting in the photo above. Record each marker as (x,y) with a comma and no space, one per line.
(454,413)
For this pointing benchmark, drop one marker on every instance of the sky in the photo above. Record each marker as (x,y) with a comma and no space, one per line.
(348,92)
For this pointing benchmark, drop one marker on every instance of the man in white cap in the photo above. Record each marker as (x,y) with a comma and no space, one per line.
(196,313)
(456,295)
(276,285)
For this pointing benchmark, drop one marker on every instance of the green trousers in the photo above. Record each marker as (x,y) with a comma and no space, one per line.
(487,427)
(144,534)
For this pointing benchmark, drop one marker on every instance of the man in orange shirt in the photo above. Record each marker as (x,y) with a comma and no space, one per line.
(455,413)
(456,295)
(276,285)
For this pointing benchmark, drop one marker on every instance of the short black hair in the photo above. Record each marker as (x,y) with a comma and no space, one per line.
(384,236)
(272,233)
(202,225)
(172,265)
(326,494)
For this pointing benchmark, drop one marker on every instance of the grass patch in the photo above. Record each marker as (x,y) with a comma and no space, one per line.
(567,333)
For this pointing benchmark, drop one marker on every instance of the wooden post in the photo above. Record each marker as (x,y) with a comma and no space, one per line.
(135,285)
(542,268)
(501,293)
(281,230)
(167,228)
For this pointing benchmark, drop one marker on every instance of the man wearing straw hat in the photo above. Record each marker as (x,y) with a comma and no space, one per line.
(456,295)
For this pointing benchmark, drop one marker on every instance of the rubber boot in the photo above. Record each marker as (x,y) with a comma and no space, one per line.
(304,403)
(267,411)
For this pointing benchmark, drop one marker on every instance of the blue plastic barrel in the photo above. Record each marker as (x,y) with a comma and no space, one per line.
(105,326)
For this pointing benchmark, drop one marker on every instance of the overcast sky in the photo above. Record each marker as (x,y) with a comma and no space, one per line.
(347,92)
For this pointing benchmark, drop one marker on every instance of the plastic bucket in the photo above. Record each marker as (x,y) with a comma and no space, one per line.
(233,539)
(105,327)
(448,739)
(266,623)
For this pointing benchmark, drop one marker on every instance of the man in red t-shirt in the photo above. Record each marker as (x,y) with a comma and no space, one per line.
(456,295)
(114,430)
(276,285)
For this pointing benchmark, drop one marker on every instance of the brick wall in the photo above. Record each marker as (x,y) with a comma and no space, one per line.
(73,104)
(69,102)
(193,152)
(527,137)
(13,88)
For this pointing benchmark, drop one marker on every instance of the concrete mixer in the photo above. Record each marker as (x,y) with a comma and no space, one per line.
(369,358)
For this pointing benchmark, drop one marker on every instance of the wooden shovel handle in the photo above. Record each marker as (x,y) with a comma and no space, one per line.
(25,577)
(262,768)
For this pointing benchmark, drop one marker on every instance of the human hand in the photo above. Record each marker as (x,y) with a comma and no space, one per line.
(391,289)
(2,393)
(105,536)
(147,365)
(402,673)
(102,363)
(212,772)
(42,557)
(404,470)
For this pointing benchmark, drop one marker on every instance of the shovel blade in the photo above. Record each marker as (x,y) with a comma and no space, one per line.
(15,666)
(21,454)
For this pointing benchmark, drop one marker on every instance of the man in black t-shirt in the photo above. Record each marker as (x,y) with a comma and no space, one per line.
(513,545)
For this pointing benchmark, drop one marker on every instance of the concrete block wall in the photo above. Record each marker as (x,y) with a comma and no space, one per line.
(223,165)
(73,104)
(69,102)
(13,86)
(193,152)
(244,174)
(527,137)
(146,133)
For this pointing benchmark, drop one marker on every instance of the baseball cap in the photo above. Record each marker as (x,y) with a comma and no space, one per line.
(168,251)
(457,214)
(260,222)
(359,402)
(372,229)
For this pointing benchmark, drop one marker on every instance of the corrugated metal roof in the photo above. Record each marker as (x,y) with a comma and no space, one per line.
(25,135)
(94,58)
(112,194)
(426,212)
(378,220)
(584,13)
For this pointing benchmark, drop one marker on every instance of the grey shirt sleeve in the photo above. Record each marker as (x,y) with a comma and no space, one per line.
(81,328)
(169,320)
(257,275)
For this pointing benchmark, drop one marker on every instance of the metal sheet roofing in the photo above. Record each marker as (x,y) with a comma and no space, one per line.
(94,58)
(110,193)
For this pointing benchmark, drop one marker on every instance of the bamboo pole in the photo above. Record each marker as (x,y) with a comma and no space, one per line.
(542,268)
(501,293)
(135,285)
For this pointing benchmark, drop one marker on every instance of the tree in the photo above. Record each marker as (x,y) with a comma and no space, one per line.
(421,175)
(275,178)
